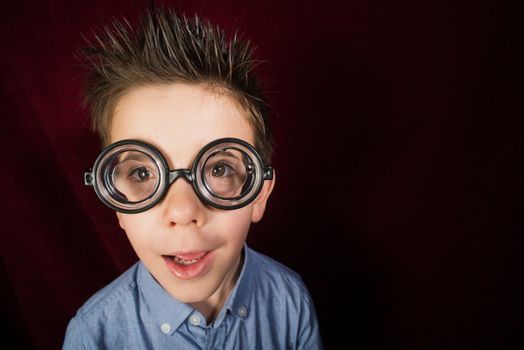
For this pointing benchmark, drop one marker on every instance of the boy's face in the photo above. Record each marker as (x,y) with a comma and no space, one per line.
(191,249)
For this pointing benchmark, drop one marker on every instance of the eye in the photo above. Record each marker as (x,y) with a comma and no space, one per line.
(140,174)
(222,170)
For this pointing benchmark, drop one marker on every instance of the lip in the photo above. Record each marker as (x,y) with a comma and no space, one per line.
(193,271)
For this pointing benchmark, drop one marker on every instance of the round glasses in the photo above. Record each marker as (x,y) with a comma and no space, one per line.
(131,176)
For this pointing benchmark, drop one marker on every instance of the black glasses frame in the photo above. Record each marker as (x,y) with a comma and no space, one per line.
(168,177)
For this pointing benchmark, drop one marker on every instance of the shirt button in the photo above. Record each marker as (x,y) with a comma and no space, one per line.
(242,311)
(165,327)
(194,320)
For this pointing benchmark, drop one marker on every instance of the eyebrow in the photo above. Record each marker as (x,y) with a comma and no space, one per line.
(230,155)
(139,156)
(136,157)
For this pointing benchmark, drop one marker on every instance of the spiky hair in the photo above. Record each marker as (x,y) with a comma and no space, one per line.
(164,49)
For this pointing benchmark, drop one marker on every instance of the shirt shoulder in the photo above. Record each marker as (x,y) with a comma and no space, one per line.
(277,285)
(120,292)
(106,311)
(273,272)
(283,311)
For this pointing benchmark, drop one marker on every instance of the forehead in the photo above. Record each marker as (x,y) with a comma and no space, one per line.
(179,119)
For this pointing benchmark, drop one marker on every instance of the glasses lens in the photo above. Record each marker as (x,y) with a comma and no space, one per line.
(228,173)
(131,176)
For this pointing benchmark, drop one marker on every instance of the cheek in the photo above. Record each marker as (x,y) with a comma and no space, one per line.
(235,223)
(137,227)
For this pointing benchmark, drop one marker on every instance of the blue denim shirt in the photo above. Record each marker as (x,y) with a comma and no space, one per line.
(269,308)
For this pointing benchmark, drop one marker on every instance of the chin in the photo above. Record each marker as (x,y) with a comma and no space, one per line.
(192,294)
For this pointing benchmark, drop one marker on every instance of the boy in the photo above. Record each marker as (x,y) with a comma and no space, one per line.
(186,167)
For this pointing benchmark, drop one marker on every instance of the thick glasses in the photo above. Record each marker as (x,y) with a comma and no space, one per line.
(131,176)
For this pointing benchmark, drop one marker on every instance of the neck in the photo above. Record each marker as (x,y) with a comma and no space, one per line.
(211,306)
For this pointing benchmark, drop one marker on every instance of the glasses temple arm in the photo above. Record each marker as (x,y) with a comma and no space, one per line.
(268,172)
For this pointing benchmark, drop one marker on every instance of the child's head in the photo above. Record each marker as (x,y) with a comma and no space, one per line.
(179,85)
(168,49)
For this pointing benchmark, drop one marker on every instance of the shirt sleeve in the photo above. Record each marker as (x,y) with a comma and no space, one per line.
(308,333)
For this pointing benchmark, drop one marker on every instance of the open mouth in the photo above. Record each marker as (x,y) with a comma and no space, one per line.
(188,265)
(185,261)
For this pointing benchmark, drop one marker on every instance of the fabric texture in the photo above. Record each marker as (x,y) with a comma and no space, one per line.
(269,308)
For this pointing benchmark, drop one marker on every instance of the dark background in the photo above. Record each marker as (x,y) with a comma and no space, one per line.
(398,152)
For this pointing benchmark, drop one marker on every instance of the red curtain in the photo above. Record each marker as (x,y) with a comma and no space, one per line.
(399,185)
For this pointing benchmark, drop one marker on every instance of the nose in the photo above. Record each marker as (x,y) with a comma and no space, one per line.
(182,205)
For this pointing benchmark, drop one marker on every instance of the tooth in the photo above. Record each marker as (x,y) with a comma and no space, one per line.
(184,262)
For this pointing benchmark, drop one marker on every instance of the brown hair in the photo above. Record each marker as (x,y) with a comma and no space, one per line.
(167,49)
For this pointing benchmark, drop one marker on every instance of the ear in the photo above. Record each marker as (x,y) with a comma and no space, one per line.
(120,222)
(260,202)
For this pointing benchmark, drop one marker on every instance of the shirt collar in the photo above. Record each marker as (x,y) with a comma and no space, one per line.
(239,299)
(164,308)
